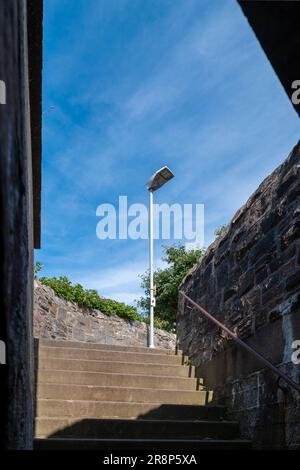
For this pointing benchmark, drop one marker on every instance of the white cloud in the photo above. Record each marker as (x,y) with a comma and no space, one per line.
(115,278)
(127,298)
(193,91)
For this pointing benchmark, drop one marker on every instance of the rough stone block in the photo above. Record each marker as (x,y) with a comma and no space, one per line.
(259,254)
(246,282)
(287,181)
(293,281)
(265,245)
(292,233)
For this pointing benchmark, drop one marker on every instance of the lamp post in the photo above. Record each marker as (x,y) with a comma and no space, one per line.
(156,181)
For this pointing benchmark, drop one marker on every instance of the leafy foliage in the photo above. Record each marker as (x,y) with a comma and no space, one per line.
(90,298)
(167,281)
(220,231)
(37,267)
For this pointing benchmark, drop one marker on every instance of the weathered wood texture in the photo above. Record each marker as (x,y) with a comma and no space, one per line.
(16,221)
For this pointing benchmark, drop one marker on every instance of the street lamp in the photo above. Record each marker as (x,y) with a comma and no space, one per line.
(156,181)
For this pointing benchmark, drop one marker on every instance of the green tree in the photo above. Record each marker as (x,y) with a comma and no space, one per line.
(37,268)
(179,262)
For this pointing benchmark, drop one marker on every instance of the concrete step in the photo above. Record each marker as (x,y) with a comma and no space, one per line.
(134,429)
(121,367)
(117,380)
(104,347)
(96,393)
(103,355)
(141,444)
(123,410)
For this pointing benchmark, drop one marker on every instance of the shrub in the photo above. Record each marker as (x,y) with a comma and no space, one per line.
(220,231)
(37,268)
(89,298)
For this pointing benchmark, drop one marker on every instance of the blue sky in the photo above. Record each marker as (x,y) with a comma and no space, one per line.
(132,85)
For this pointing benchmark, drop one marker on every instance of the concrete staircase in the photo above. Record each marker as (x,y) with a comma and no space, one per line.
(92,396)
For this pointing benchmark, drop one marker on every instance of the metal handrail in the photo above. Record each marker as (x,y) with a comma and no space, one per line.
(248,348)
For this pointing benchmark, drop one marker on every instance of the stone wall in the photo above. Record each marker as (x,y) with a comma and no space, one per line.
(16,238)
(56,318)
(250,280)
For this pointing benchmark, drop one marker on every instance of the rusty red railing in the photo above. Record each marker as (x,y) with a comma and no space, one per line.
(260,357)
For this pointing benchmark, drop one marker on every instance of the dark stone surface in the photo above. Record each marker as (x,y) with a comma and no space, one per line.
(35,53)
(252,284)
(16,238)
(276,25)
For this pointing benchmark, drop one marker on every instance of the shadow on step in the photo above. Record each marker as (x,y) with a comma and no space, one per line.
(147,429)
(209,431)
(164,422)
(166,427)
(185,412)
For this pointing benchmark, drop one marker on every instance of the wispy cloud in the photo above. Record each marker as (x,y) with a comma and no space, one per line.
(121,282)
(136,85)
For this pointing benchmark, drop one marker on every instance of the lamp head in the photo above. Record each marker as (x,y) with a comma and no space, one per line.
(159,178)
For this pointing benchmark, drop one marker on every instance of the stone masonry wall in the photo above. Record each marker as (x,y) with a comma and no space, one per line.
(56,318)
(250,280)
(16,240)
